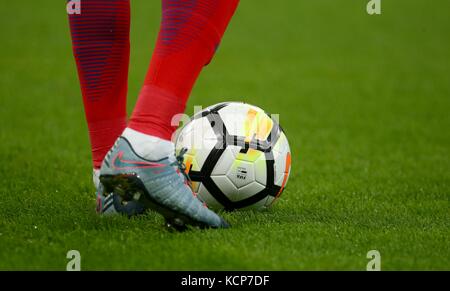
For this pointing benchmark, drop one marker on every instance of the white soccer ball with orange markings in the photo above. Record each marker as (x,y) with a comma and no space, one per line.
(238,157)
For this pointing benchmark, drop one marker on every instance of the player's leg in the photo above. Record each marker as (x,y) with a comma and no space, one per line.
(100,37)
(190,33)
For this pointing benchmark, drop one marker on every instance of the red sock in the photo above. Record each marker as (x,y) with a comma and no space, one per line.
(190,33)
(100,37)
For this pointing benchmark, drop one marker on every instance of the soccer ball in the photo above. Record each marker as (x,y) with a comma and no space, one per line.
(236,155)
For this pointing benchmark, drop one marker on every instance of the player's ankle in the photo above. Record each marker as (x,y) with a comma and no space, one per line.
(96,177)
(148,146)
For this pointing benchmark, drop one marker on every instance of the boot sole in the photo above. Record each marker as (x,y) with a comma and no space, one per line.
(129,185)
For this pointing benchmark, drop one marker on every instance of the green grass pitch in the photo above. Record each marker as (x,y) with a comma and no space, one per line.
(364,101)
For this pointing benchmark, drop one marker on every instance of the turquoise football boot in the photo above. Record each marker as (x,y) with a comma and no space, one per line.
(160,185)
